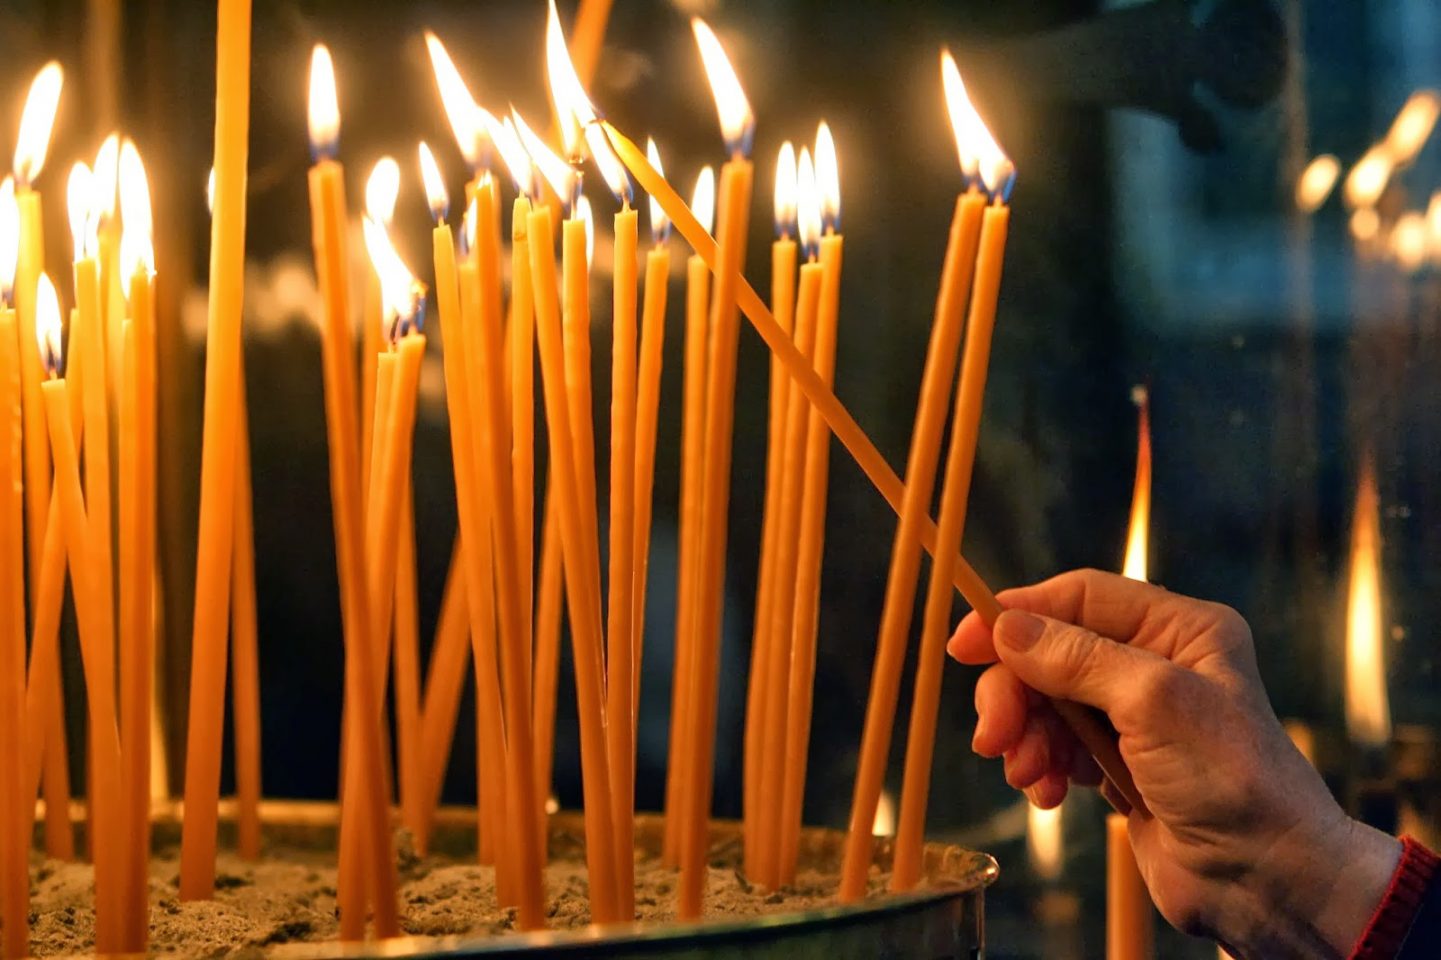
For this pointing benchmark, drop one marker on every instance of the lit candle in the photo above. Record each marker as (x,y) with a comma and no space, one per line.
(576,116)
(905,556)
(365,844)
(783,292)
(31,144)
(738,128)
(113,288)
(381,189)
(108,846)
(1367,704)
(221,425)
(137,508)
(14,752)
(581,575)
(697,304)
(794,709)
(1128,904)
(652,356)
(792,464)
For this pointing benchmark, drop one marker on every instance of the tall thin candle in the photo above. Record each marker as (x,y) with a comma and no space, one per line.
(217,467)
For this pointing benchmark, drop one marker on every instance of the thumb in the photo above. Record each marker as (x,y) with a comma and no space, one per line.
(1063,660)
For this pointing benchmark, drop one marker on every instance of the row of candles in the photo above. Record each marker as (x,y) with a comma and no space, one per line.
(488,365)
(93,391)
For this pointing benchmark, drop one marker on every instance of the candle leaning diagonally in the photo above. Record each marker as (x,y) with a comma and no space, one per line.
(217,466)
(108,845)
(1092,734)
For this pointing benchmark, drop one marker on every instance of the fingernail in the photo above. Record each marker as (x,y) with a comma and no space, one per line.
(1019,630)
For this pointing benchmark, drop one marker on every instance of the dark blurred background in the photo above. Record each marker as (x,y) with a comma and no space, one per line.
(1155,239)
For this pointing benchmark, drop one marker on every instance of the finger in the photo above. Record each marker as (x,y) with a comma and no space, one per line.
(1031,759)
(971,643)
(1073,663)
(1106,603)
(1000,711)
(1048,792)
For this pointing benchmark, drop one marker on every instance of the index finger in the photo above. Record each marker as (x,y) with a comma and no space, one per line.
(1106,603)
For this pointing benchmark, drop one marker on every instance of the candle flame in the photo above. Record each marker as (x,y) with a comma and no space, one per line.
(79,197)
(982,159)
(737,122)
(107,174)
(1368,178)
(808,205)
(585,215)
(1408,241)
(1413,125)
(381,191)
(1138,535)
(137,250)
(1045,843)
(324,111)
(9,238)
(659,222)
(400,292)
(467,227)
(785,196)
(1316,182)
(1368,714)
(511,150)
(577,114)
(37,122)
(884,824)
(557,172)
(435,192)
(702,201)
(210,192)
(828,179)
(459,104)
(1365,224)
(47,326)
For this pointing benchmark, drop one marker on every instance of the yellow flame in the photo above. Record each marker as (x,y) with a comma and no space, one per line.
(137,251)
(585,215)
(979,153)
(467,224)
(1316,182)
(47,325)
(1138,535)
(397,283)
(455,97)
(1413,125)
(435,193)
(324,111)
(37,122)
(737,122)
(828,178)
(702,201)
(79,195)
(1408,241)
(107,174)
(1045,843)
(573,108)
(511,150)
(1365,224)
(1368,713)
(884,825)
(381,191)
(9,238)
(1368,178)
(808,203)
(556,171)
(785,194)
(210,192)
(659,222)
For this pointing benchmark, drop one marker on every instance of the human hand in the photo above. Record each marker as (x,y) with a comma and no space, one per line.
(1244,843)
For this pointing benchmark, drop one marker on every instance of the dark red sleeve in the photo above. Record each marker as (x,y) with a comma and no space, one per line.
(1413,887)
